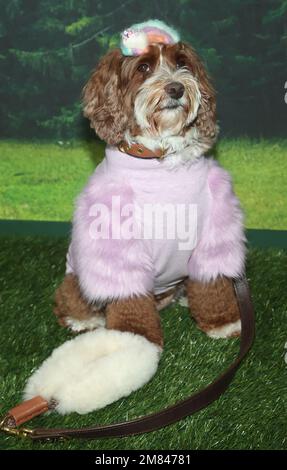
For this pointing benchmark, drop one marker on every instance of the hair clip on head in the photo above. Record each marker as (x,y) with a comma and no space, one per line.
(135,40)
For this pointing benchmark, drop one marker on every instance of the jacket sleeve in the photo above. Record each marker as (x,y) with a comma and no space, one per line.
(112,266)
(220,250)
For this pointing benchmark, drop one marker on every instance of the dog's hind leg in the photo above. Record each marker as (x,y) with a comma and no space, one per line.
(73,310)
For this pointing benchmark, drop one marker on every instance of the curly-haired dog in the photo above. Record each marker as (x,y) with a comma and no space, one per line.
(152,102)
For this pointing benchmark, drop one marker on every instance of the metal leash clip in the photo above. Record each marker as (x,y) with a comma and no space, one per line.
(12,431)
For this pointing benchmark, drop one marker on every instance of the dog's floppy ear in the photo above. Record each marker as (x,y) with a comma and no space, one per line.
(102,99)
(206,118)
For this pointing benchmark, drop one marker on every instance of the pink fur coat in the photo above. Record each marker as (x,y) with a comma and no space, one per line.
(118,266)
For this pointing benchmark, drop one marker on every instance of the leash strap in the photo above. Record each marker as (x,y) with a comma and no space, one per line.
(167,416)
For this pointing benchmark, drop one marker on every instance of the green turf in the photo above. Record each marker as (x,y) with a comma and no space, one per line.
(251,414)
(39,181)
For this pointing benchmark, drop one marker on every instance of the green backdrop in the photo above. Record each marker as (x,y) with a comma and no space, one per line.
(47,51)
(48,48)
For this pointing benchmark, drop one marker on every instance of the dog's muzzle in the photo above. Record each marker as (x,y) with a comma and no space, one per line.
(175,90)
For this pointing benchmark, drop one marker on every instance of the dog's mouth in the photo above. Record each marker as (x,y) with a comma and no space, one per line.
(171,106)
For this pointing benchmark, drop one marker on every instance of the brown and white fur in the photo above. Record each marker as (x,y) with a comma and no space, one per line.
(126,99)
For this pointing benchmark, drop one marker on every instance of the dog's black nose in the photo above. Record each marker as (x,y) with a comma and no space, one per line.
(174,90)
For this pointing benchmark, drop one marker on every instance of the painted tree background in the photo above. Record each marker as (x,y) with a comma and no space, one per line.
(48,48)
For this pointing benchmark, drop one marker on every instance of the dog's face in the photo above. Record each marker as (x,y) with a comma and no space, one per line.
(163,92)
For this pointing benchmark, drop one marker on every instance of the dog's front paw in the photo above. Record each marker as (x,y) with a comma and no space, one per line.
(230,330)
(79,326)
(214,306)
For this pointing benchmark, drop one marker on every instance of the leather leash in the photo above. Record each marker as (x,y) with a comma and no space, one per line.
(31,408)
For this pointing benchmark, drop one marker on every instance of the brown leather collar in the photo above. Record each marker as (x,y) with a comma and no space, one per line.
(140,151)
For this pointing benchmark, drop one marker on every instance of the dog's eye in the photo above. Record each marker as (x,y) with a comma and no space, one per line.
(180,63)
(143,68)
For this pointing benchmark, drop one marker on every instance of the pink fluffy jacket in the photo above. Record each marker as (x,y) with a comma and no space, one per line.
(110,267)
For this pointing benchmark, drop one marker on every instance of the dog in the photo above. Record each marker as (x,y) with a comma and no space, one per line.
(152,102)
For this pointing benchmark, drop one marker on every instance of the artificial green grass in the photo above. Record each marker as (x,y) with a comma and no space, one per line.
(250,415)
(39,181)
